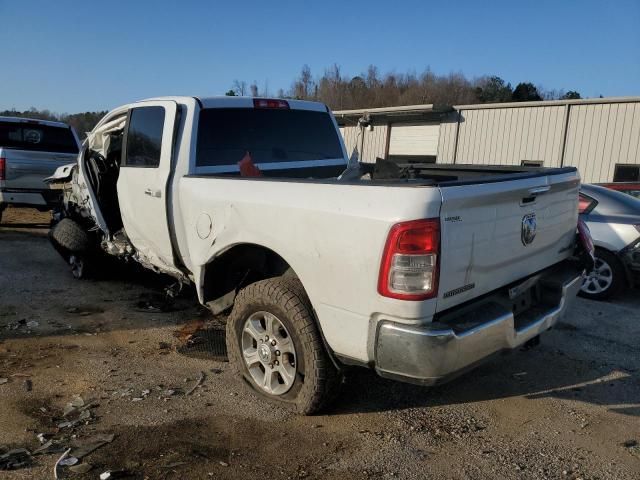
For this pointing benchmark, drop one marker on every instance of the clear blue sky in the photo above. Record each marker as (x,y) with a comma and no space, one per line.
(71,56)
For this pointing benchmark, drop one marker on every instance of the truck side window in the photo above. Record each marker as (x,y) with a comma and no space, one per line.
(144,137)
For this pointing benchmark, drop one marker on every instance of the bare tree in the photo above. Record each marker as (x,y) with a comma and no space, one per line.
(254,89)
(240,87)
(373,89)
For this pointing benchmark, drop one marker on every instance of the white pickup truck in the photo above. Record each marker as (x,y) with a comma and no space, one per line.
(420,271)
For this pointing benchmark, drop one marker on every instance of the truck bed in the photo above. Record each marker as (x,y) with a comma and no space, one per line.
(414,174)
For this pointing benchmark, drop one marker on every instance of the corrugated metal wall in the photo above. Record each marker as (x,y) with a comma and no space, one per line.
(600,136)
(350,137)
(447,140)
(375,141)
(506,136)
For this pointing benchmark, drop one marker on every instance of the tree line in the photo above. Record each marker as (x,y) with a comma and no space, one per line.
(373,89)
(368,90)
(81,122)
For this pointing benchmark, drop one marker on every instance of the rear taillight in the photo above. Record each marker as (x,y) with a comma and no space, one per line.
(409,268)
(3,166)
(270,103)
(583,204)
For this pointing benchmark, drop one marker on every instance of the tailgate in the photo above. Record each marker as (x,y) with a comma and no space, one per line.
(497,233)
(27,169)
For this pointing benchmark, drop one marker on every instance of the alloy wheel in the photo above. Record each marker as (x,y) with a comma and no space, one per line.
(599,279)
(268,353)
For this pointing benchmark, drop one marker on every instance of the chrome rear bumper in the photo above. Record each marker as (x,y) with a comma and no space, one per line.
(434,353)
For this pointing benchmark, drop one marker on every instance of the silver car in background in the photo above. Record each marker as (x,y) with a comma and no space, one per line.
(614,221)
(30,151)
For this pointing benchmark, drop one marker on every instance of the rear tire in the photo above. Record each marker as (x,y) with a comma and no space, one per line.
(606,279)
(273,315)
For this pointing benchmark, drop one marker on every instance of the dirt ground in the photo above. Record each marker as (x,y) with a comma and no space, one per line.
(568,409)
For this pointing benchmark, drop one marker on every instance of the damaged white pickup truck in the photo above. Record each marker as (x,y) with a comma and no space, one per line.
(419,271)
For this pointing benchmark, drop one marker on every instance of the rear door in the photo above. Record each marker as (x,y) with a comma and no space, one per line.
(33,151)
(142,183)
(497,233)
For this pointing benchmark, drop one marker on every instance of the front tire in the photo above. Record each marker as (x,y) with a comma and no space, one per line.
(72,242)
(606,279)
(275,347)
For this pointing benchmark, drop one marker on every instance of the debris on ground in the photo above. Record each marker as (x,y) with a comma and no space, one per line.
(114,474)
(83,447)
(189,329)
(174,465)
(3,381)
(68,462)
(157,303)
(198,383)
(168,393)
(28,385)
(83,416)
(633,446)
(81,468)
(15,459)
(50,446)
(62,458)
(84,311)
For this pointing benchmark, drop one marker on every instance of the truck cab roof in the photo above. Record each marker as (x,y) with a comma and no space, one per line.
(241,102)
(33,121)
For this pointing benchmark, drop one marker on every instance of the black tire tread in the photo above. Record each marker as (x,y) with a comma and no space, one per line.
(322,378)
(70,236)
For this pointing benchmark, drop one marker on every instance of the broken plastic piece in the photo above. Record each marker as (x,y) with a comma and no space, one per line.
(113,474)
(15,459)
(85,447)
(68,462)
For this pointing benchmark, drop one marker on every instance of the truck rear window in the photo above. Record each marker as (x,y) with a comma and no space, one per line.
(42,138)
(270,136)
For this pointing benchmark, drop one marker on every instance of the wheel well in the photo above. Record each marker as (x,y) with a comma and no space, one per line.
(237,267)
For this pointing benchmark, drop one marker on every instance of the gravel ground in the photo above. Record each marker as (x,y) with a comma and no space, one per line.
(568,409)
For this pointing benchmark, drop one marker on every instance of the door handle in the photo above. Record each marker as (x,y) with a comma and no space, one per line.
(539,190)
(153,193)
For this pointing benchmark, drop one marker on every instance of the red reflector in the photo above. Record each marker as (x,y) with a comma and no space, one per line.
(412,249)
(270,103)
(3,167)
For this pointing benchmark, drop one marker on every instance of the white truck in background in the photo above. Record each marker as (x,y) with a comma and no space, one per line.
(418,271)
(30,151)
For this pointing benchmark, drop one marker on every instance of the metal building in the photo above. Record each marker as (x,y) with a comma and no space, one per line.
(599,136)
